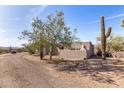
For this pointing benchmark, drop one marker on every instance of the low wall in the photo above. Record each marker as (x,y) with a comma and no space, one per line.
(71,54)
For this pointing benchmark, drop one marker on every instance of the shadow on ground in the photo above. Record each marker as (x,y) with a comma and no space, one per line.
(92,68)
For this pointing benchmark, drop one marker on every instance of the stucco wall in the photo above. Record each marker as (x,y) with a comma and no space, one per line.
(75,53)
(72,54)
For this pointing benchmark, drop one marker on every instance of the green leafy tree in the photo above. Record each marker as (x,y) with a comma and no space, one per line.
(36,37)
(58,31)
(49,34)
(28,36)
(40,35)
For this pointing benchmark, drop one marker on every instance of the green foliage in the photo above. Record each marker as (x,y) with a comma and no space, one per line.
(115,44)
(19,50)
(49,34)
(2,51)
(30,48)
(58,31)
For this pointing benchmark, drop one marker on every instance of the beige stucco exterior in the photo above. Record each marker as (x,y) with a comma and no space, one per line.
(75,53)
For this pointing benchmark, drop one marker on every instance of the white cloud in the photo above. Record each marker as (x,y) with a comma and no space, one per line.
(11,42)
(119,33)
(109,18)
(36,11)
(96,21)
(14,19)
(10,19)
(7,41)
(115,16)
(2,31)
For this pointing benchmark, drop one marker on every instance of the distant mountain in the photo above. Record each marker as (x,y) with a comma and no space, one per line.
(7,48)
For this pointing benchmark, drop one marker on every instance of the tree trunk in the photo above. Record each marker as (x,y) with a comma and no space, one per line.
(51,55)
(51,52)
(41,54)
(103,56)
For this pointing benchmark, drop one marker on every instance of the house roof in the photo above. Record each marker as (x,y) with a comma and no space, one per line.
(78,45)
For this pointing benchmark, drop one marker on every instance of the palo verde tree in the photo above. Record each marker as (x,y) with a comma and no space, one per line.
(58,31)
(50,33)
(36,37)
(28,36)
(30,47)
(40,35)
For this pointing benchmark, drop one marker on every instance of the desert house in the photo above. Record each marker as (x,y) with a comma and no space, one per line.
(74,53)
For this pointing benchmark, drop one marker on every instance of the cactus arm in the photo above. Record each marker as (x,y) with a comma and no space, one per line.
(108,32)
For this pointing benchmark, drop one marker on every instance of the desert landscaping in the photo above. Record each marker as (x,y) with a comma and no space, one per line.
(52,55)
(30,71)
(97,74)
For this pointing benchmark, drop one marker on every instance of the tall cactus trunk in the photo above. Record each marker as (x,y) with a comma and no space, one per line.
(103,39)
(104,36)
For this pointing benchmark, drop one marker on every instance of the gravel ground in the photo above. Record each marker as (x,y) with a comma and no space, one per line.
(107,76)
(23,71)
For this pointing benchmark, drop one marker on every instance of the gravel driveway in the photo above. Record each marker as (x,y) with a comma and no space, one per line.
(25,71)
(18,72)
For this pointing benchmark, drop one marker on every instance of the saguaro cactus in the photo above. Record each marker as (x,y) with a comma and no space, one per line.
(104,37)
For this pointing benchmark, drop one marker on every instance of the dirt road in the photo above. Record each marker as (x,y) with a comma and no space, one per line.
(25,71)
(18,72)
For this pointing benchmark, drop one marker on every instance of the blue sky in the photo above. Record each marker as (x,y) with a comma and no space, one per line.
(15,19)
